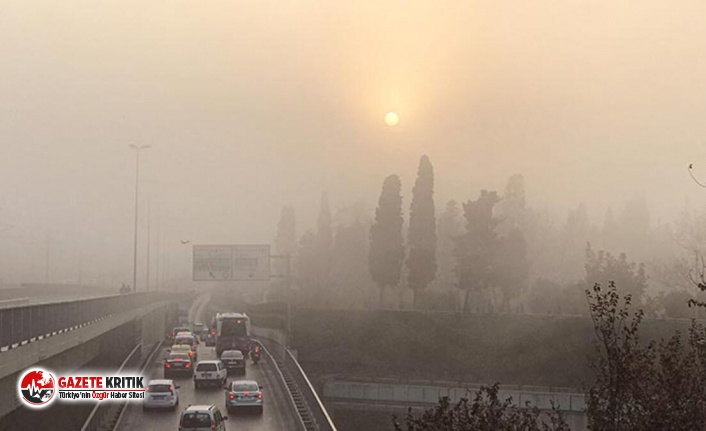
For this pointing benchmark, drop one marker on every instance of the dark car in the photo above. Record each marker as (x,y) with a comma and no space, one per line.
(178,363)
(209,339)
(234,361)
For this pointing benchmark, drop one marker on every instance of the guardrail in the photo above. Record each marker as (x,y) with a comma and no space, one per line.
(316,407)
(291,368)
(7,303)
(106,416)
(283,385)
(26,323)
(415,394)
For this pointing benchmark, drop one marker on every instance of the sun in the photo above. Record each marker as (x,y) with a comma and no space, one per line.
(391,119)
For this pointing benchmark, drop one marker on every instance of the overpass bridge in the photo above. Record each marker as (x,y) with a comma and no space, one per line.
(67,335)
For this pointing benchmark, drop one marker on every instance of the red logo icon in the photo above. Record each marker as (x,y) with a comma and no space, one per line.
(37,387)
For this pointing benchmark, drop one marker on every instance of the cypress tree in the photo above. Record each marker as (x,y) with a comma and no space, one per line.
(386,245)
(422,230)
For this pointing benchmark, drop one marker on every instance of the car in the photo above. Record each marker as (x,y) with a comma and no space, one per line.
(202,418)
(185,348)
(179,329)
(178,363)
(244,394)
(197,328)
(209,339)
(188,339)
(211,372)
(234,361)
(161,394)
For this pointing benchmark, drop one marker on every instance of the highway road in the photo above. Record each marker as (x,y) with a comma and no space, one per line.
(278,413)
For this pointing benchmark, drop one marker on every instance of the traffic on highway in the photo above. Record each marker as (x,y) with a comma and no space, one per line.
(194,392)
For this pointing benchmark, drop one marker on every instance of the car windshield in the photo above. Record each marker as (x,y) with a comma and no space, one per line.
(184,340)
(245,387)
(159,388)
(206,367)
(232,354)
(196,420)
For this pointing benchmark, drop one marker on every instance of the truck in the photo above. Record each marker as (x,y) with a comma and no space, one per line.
(232,332)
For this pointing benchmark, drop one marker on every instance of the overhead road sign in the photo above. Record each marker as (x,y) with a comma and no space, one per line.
(231,262)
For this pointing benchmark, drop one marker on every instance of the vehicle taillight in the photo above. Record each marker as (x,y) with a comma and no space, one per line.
(231,396)
(259,395)
(213,425)
(188,365)
(213,332)
(167,365)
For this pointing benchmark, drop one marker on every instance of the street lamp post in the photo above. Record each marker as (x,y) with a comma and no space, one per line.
(137,149)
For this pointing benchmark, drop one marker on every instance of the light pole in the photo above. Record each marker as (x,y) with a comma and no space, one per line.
(137,149)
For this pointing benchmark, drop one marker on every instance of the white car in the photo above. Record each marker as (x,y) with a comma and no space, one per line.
(163,394)
(202,418)
(210,373)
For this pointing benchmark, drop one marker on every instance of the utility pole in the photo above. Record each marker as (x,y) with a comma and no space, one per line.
(159,246)
(137,195)
(149,239)
(46,260)
(288,259)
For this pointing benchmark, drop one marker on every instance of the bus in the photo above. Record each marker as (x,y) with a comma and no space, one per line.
(232,332)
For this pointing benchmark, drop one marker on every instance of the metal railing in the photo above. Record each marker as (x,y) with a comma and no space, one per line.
(9,303)
(292,368)
(429,394)
(283,385)
(316,407)
(106,416)
(22,324)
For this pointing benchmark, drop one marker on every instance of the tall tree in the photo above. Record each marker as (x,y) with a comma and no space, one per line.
(511,267)
(386,252)
(324,232)
(450,228)
(324,246)
(422,230)
(286,239)
(604,268)
(475,250)
(576,233)
(512,207)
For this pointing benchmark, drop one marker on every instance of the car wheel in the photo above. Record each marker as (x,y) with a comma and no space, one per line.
(196,384)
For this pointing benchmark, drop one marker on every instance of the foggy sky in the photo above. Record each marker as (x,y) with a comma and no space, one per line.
(253,105)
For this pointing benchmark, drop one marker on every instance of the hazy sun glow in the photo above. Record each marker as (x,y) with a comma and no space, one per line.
(391,119)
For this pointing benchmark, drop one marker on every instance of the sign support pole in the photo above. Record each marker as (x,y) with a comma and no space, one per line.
(288,258)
